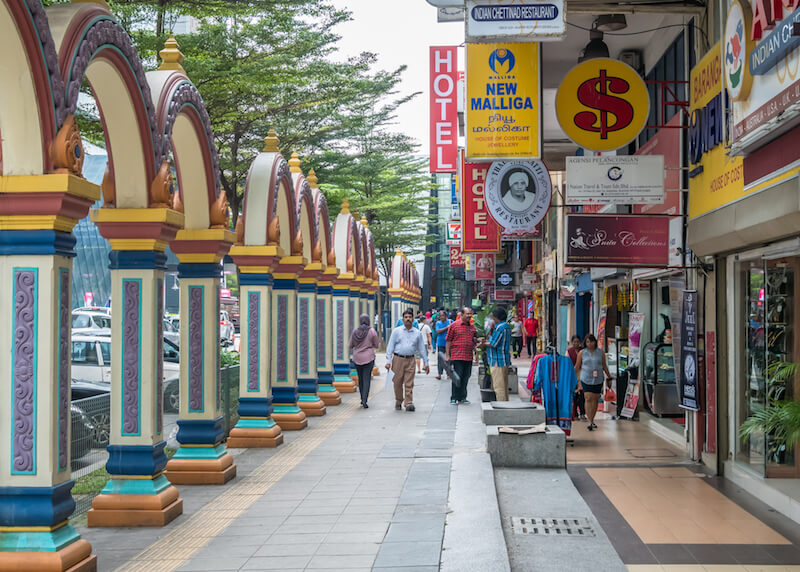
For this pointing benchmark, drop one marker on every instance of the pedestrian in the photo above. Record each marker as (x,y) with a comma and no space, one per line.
(589,368)
(516,335)
(441,326)
(404,342)
(460,346)
(531,327)
(425,330)
(580,400)
(363,343)
(499,353)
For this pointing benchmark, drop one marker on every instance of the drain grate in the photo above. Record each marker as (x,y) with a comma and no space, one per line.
(552,526)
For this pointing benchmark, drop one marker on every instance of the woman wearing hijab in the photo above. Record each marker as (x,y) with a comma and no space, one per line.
(363,343)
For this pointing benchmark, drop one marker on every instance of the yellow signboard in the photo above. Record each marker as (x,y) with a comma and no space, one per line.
(715,179)
(504,113)
(602,104)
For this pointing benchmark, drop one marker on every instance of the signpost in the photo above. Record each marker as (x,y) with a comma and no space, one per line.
(515,21)
(619,179)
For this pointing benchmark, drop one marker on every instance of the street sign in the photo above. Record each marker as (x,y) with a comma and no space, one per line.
(619,179)
(515,21)
(602,104)
(453,233)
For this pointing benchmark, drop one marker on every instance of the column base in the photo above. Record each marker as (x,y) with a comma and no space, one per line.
(122,504)
(289,417)
(345,384)
(354,375)
(311,405)
(256,438)
(75,557)
(193,469)
(329,395)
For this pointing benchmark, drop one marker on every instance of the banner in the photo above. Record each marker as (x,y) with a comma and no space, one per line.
(618,180)
(480,232)
(484,266)
(518,195)
(635,325)
(631,399)
(617,240)
(601,328)
(689,385)
(512,21)
(504,94)
(455,207)
(457,258)
(444,112)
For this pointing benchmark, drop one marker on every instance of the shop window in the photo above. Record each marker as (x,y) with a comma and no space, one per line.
(769,289)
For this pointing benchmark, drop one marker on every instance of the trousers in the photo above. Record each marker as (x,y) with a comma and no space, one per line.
(458,385)
(531,343)
(516,345)
(500,382)
(439,361)
(364,380)
(404,370)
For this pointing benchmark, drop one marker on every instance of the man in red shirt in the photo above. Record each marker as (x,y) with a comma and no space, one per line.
(461,341)
(531,332)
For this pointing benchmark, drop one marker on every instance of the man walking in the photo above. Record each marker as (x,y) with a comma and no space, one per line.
(441,326)
(498,353)
(531,332)
(404,342)
(461,340)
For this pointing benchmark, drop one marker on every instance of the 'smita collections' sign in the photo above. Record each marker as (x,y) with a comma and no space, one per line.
(444,109)
(626,240)
(503,93)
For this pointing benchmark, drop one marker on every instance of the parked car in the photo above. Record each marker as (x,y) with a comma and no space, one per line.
(91,318)
(171,331)
(94,399)
(226,329)
(82,430)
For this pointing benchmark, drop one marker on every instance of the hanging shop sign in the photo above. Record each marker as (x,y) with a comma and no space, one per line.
(602,104)
(617,240)
(515,21)
(455,207)
(480,233)
(768,52)
(505,279)
(457,258)
(484,266)
(518,195)
(619,179)
(453,233)
(737,45)
(504,112)
(715,178)
(504,295)
(444,109)
(689,384)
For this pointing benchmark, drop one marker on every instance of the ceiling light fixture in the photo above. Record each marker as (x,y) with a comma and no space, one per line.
(596,48)
(611,22)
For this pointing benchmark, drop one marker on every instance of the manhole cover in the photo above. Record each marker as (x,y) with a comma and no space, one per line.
(558,526)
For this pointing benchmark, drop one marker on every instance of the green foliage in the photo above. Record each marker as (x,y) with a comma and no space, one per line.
(227,358)
(780,421)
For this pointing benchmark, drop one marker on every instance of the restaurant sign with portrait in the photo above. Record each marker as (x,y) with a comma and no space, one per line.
(518,197)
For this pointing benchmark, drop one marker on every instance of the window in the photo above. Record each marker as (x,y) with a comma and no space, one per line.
(105,351)
(171,352)
(81,321)
(84,353)
(102,321)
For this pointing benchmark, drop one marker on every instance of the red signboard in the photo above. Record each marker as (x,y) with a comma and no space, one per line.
(617,240)
(479,232)
(504,295)
(457,258)
(666,142)
(444,109)
(484,266)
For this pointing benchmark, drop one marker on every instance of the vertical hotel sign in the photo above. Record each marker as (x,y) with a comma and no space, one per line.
(479,231)
(444,109)
(504,113)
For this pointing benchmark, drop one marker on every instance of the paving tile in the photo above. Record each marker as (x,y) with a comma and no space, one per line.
(422,528)
(341,548)
(204,564)
(408,554)
(296,549)
(276,562)
(346,537)
(341,562)
(285,538)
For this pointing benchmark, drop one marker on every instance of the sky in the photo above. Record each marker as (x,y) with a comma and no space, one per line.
(400,32)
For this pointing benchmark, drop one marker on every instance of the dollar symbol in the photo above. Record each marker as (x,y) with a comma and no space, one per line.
(593,93)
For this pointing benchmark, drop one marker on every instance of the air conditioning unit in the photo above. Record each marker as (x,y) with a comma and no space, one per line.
(633,58)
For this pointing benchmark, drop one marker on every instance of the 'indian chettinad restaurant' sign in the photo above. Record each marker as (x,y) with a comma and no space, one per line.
(504,114)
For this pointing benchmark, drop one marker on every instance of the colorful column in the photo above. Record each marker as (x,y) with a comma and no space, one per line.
(325,346)
(354,312)
(398,305)
(36,250)
(138,493)
(256,427)
(202,458)
(285,395)
(342,379)
(307,332)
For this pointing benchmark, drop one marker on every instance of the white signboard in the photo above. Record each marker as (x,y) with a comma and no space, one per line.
(518,196)
(515,20)
(622,180)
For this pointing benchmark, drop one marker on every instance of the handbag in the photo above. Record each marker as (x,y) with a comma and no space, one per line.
(610,395)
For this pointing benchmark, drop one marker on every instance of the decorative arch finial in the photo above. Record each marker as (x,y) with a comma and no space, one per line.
(364,221)
(345,207)
(171,55)
(271,142)
(294,163)
(398,252)
(312,179)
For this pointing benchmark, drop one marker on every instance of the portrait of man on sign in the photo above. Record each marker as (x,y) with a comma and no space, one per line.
(517,191)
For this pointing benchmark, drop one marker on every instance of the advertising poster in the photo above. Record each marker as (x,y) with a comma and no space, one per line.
(689,385)
(601,329)
(635,325)
(504,112)
(480,233)
(444,109)
(484,266)
(518,195)
(631,399)
(617,240)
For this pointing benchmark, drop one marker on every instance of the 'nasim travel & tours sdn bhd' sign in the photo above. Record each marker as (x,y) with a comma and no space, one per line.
(617,240)
(715,178)
(504,112)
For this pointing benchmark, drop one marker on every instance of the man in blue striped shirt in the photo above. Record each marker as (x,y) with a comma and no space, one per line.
(498,350)
(404,343)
